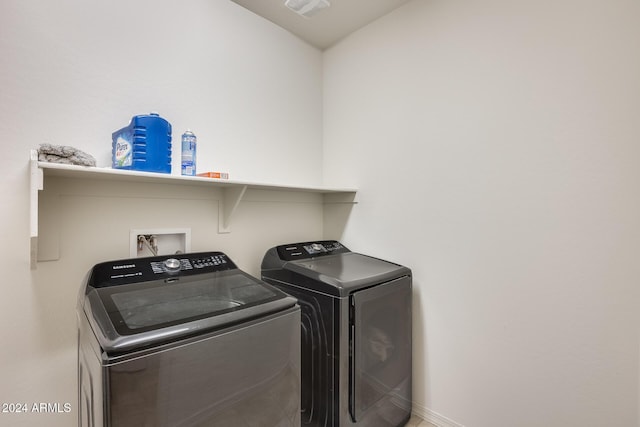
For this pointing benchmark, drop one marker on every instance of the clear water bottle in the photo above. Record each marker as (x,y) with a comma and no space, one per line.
(188,153)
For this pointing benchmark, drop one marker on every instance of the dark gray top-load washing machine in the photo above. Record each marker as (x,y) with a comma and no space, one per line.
(356,333)
(186,340)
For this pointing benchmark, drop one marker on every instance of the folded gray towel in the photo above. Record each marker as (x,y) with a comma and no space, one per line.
(64,154)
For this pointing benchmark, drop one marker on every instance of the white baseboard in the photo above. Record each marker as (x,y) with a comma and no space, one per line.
(433,417)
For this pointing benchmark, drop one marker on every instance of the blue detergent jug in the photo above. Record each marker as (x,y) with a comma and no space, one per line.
(144,145)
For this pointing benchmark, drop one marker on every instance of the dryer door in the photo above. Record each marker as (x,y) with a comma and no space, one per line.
(380,353)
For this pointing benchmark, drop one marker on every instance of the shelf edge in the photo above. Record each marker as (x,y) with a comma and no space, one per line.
(64,170)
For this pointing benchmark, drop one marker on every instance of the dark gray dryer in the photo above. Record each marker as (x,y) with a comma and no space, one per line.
(356,333)
(188,340)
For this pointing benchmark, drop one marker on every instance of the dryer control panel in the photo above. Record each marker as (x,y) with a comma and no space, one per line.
(307,250)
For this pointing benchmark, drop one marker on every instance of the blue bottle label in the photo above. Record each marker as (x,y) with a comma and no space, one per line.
(123,156)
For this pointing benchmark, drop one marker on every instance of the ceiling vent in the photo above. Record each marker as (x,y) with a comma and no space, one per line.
(307,8)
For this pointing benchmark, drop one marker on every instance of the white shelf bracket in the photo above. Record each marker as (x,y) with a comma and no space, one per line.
(231,197)
(36,184)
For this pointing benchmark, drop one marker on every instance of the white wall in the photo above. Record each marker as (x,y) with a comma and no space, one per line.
(72,72)
(495,148)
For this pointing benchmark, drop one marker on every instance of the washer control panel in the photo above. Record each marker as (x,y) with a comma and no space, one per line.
(308,250)
(152,268)
(212,261)
(171,265)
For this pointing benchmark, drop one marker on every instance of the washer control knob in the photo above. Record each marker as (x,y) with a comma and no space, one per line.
(172,264)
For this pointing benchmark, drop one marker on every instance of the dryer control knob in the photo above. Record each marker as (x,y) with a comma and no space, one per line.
(172,264)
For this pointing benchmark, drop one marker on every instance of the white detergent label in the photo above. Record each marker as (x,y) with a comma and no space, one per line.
(123,153)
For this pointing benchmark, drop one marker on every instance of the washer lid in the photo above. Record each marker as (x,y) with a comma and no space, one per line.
(344,273)
(136,315)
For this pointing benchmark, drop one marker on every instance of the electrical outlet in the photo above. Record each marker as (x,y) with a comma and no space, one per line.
(159,241)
